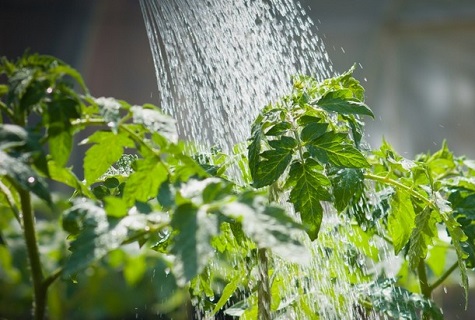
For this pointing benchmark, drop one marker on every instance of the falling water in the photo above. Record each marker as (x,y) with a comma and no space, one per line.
(217,63)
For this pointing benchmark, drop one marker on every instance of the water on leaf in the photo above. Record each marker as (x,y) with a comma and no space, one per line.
(217,63)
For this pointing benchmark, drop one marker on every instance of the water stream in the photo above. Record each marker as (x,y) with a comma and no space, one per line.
(217,63)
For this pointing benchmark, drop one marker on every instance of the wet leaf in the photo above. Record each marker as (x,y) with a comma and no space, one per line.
(334,148)
(401,219)
(192,244)
(108,149)
(347,184)
(337,101)
(309,188)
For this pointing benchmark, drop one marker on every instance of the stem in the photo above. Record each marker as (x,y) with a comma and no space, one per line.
(444,276)
(263,291)
(398,184)
(4,108)
(39,304)
(424,284)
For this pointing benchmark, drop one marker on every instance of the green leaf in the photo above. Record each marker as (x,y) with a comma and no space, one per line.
(279,129)
(458,238)
(401,219)
(24,175)
(192,244)
(275,161)
(155,121)
(312,131)
(396,302)
(423,234)
(60,147)
(115,207)
(134,269)
(24,145)
(100,157)
(269,226)
(144,183)
(309,188)
(254,149)
(334,148)
(228,291)
(96,235)
(337,101)
(347,184)
(66,176)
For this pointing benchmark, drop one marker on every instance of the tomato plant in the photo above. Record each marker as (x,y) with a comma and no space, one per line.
(146,202)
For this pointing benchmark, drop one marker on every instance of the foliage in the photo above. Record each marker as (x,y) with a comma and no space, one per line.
(147,205)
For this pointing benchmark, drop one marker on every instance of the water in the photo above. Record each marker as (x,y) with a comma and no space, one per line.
(217,63)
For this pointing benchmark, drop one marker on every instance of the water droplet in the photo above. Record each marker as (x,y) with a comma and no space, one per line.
(366,80)
(167,271)
(31,180)
(445,289)
(49,90)
(342,50)
(111,124)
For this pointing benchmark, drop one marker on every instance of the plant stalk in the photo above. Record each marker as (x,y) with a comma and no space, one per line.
(446,274)
(424,284)
(39,303)
(263,291)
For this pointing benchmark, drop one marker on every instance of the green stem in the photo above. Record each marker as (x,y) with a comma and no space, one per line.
(263,291)
(424,284)
(39,305)
(3,107)
(446,274)
(398,184)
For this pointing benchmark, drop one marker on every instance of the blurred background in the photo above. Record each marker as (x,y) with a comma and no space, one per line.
(416,62)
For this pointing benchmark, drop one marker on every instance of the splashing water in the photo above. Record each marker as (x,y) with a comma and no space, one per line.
(217,63)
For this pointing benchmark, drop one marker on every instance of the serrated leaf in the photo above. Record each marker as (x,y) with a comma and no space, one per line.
(401,219)
(278,129)
(144,183)
(312,131)
(423,234)
(275,162)
(396,302)
(347,184)
(336,101)
(192,244)
(334,148)
(25,176)
(100,157)
(268,226)
(309,188)
(96,234)
(155,121)
(458,238)
(254,148)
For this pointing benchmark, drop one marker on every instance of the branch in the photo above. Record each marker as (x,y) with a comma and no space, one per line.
(446,274)
(398,184)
